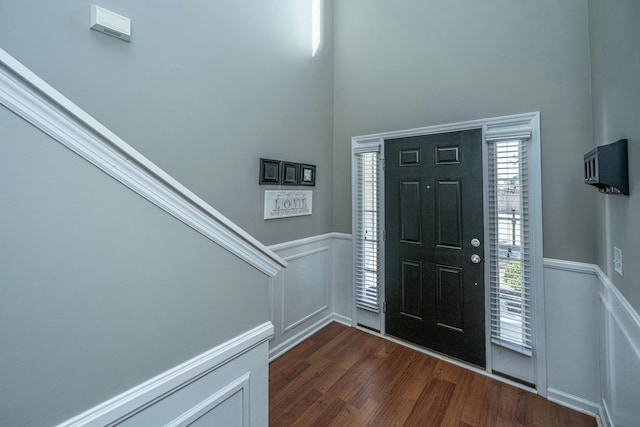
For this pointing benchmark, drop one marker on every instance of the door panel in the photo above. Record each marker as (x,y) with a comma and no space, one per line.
(409,157)
(449,294)
(411,289)
(448,210)
(410,215)
(433,205)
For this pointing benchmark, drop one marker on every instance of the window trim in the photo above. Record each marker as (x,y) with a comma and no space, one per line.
(522,126)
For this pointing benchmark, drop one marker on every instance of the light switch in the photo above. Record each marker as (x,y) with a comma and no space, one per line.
(617,260)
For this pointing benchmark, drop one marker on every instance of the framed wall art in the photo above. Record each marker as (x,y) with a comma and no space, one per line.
(307,175)
(269,171)
(290,173)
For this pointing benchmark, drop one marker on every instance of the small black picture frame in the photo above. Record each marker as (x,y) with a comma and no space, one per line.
(290,173)
(308,175)
(269,171)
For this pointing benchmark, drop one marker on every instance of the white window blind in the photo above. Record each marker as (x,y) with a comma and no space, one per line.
(366,239)
(510,260)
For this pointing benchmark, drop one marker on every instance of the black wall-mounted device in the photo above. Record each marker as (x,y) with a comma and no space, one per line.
(607,167)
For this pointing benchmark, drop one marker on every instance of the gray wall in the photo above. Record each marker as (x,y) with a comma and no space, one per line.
(100,290)
(615,67)
(414,63)
(204,90)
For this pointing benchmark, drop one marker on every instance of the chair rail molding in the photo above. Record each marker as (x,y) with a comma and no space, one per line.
(31,98)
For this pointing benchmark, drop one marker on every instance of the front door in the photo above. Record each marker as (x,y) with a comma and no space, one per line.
(434,257)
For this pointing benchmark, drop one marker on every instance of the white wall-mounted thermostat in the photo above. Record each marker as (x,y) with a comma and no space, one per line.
(110,23)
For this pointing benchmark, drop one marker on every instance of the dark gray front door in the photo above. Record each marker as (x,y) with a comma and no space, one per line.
(434,227)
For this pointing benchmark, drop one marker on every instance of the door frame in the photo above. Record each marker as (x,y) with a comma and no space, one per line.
(508,125)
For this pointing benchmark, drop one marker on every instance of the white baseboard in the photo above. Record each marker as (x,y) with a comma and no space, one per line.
(347,321)
(281,349)
(574,402)
(287,345)
(144,397)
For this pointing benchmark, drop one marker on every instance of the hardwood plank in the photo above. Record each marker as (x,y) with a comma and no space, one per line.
(320,413)
(472,412)
(432,404)
(352,416)
(288,415)
(342,376)
(454,412)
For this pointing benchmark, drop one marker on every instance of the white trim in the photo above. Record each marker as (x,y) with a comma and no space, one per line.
(344,320)
(606,417)
(28,96)
(169,382)
(572,266)
(308,240)
(486,239)
(536,245)
(239,385)
(626,317)
(342,236)
(307,253)
(287,328)
(574,402)
(287,345)
(493,123)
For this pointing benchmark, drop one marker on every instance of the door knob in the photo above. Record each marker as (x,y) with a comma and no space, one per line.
(475,259)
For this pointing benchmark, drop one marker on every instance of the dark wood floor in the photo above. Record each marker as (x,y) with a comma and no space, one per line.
(345,377)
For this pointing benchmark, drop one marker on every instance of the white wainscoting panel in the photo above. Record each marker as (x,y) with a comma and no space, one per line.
(620,355)
(572,334)
(342,277)
(305,287)
(593,344)
(226,386)
(228,406)
(310,292)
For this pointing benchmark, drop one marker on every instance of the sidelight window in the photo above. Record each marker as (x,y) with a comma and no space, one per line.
(366,226)
(509,263)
